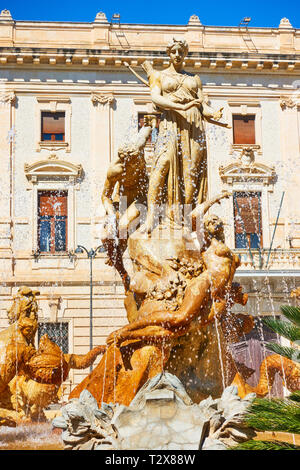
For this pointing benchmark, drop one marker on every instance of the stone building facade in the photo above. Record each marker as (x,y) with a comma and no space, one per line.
(67,101)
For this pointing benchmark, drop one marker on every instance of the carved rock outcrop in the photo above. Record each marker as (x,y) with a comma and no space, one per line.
(161,416)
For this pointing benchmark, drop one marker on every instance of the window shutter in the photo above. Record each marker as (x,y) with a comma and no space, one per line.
(247,217)
(53,126)
(52,221)
(243,129)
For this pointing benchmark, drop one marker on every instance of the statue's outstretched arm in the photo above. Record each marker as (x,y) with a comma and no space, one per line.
(143,136)
(114,172)
(201,209)
(81,361)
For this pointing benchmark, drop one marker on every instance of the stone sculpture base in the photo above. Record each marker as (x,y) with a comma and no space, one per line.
(161,416)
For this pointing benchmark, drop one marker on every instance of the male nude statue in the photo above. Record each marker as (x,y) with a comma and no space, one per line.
(124,195)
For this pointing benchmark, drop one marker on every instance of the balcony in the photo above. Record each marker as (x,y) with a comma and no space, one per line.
(274,260)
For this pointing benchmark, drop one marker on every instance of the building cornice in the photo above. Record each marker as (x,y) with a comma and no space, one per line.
(25,57)
(105,35)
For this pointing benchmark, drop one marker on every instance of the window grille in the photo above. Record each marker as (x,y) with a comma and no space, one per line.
(58,333)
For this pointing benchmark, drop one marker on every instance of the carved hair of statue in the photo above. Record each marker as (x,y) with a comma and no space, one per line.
(24,305)
(128,150)
(212,218)
(181,42)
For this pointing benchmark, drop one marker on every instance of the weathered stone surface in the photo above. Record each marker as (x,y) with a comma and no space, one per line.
(161,416)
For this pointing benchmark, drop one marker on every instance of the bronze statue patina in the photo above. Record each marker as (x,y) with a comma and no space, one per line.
(124,195)
(182,279)
(180,157)
(30,379)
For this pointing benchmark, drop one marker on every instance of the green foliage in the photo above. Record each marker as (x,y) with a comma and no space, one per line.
(275,415)
(291,313)
(295,396)
(290,353)
(288,329)
(266,445)
(283,328)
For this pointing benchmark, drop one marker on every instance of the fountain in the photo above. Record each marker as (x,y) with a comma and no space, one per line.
(167,380)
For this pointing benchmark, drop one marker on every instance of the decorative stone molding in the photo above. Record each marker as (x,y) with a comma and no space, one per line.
(287,102)
(102,99)
(5,15)
(8,98)
(54,304)
(100,18)
(247,170)
(207,60)
(285,23)
(247,156)
(194,21)
(53,100)
(45,170)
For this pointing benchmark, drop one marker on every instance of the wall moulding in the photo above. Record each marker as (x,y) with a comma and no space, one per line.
(102,99)
(287,102)
(60,57)
(45,170)
(8,98)
(239,171)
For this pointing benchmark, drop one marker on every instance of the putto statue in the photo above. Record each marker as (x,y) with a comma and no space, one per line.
(30,379)
(181,287)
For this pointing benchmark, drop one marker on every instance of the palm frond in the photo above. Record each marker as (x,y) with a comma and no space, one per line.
(274,415)
(295,396)
(265,445)
(283,328)
(291,313)
(290,353)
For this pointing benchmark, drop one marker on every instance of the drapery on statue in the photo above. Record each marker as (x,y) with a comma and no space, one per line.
(180,158)
(30,379)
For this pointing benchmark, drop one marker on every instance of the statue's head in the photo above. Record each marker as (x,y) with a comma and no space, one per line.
(214,227)
(24,305)
(127,151)
(177,50)
(28,328)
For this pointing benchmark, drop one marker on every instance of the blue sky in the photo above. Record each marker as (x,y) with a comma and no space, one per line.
(211,12)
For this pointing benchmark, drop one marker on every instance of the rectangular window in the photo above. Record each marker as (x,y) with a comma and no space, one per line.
(53,126)
(58,333)
(243,129)
(153,137)
(52,221)
(247,220)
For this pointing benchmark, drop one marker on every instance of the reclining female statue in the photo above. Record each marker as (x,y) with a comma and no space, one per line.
(208,295)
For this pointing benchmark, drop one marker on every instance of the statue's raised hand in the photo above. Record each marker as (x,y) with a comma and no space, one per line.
(218,115)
